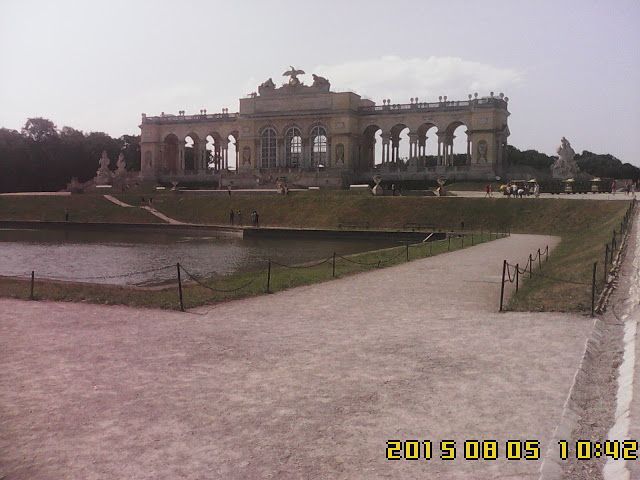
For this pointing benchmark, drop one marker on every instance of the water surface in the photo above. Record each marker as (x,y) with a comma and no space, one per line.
(125,258)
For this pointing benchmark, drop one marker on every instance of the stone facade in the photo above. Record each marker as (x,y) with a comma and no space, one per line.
(314,136)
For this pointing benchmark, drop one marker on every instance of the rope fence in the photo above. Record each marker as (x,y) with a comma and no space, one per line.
(611,266)
(423,249)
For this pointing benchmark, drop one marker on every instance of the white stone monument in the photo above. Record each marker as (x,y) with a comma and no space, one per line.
(565,166)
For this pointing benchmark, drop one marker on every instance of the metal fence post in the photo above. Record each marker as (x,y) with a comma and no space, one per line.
(180,287)
(333,273)
(449,247)
(539,260)
(530,266)
(606,258)
(407,251)
(472,242)
(593,289)
(517,276)
(33,274)
(504,268)
(269,277)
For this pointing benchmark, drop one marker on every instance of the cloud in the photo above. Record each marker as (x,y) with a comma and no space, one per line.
(399,79)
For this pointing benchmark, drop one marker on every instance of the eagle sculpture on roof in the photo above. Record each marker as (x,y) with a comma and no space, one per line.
(293,73)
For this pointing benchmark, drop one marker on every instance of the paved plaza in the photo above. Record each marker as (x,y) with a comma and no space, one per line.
(306,383)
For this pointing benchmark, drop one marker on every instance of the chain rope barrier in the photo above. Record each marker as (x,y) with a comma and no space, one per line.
(217,290)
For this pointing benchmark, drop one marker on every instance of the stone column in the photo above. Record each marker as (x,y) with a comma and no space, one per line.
(385,147)
(181,158)
(468,150)
(440,137)
(413,145)
(306,153)
(224,148)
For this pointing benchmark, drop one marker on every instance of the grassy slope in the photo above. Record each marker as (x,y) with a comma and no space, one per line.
(327,209)
(82,208)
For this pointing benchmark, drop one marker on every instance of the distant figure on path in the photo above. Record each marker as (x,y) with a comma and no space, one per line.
(253,218)
(66,214)
(231,215)
(229,189)
(257,220)
(239,218)
(487,190)
(613,187)
(536,190)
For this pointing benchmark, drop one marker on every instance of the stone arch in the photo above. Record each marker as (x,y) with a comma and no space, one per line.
(427,152)
(268,147)
(193,152)
(455,153)
(399,133)
(292,147)
(371,149)
(214,150)
(320,146)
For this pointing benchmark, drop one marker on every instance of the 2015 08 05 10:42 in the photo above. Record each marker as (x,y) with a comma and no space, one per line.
(511,449)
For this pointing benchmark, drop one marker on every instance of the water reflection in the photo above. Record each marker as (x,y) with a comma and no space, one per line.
(93,256)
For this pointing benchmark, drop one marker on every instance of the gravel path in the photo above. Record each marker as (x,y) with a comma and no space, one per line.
(307,383)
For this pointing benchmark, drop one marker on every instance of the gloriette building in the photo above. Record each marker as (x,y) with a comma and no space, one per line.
(312,136)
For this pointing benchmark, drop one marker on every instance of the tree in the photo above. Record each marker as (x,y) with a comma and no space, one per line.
(40,129)
(531,158)
(606,165)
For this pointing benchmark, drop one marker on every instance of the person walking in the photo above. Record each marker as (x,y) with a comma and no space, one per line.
(231,215)
(229,189)
(536,190)
(613,187)
(487,190)
(66,214)
(253,218)
(257,220)
(239,218)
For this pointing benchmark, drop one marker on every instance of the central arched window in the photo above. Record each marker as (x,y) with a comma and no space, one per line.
(268,148)
(292,147)
(319,154)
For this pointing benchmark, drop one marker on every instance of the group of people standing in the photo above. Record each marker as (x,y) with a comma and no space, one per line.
(629,187)
(237,219)
(517,192)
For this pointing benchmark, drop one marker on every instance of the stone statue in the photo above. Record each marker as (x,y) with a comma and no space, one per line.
(377,189)
(293,73)
(267,85)
(103,175)
(340,153)
(483,147)
(565,166)
(122,166)
(246,155)
(319,81)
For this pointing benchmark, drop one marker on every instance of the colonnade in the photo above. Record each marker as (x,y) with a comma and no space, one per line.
(418,148)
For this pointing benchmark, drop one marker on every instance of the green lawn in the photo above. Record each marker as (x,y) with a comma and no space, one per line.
(82,208)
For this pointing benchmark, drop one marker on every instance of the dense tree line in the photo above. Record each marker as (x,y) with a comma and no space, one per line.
(599,165)
(42,157)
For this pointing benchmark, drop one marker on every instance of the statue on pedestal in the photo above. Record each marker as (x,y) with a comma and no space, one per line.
(122,166)
(104,175)
(565,166)
(293,73)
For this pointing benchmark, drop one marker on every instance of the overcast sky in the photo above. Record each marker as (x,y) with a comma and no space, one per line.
(569,68)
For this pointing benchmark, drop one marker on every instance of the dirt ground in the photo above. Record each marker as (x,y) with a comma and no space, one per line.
(308,383)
